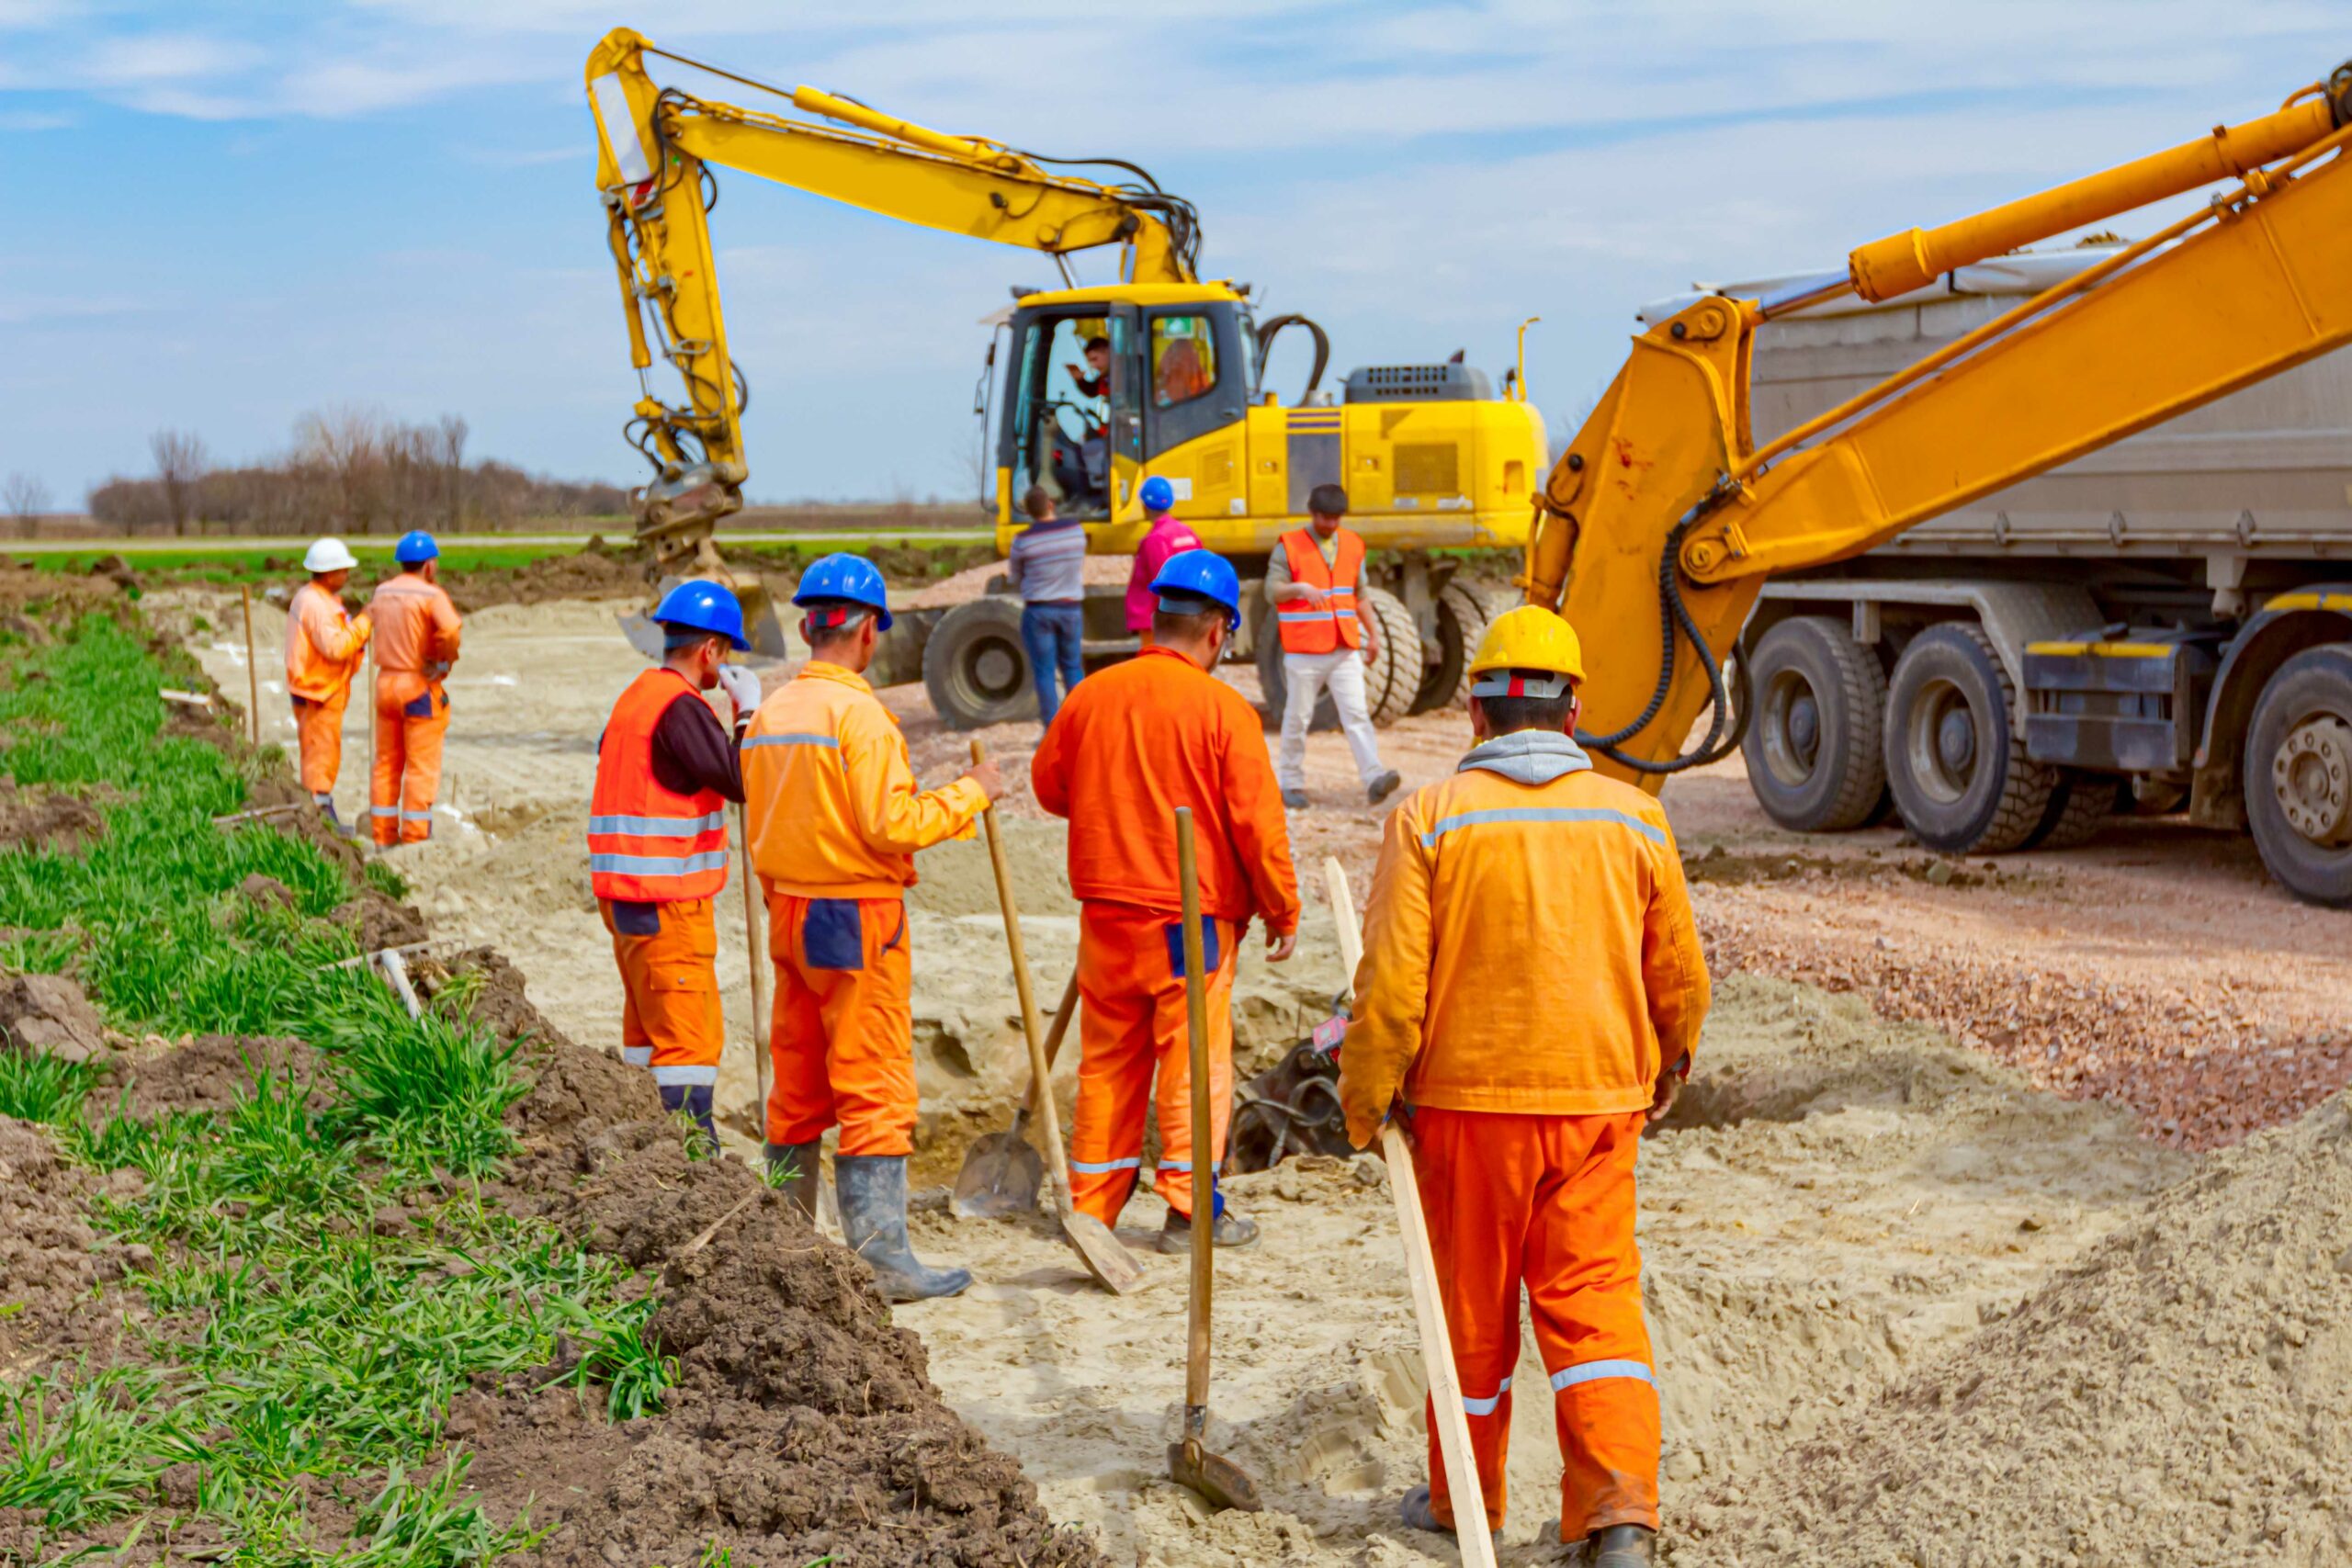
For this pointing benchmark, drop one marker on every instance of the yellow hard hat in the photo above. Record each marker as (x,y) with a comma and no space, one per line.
(1530,637)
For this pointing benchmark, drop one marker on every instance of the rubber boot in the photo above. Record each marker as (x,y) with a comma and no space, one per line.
(792,1170)
(695,1101)
(872,1191)
(1621,1546)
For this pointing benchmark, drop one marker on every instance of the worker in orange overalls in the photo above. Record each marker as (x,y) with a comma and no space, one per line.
(657,842)
(1130,745)
(1531,991)
(323,649)
(416,641)
(835,821)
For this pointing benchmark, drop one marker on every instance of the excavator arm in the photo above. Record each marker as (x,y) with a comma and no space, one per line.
(656,148)
(1658,527)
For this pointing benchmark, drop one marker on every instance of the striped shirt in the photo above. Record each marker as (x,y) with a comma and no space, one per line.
(1049,563)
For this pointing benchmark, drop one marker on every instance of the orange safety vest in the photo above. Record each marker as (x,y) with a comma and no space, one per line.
(648,845)
(1321,628)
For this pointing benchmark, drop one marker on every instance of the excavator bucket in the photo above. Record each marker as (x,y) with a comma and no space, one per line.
(762,628)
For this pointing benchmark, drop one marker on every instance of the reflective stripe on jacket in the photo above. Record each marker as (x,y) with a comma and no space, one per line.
(1527,948)
(834,809)
(648,845)
(1324,628)
(324,646)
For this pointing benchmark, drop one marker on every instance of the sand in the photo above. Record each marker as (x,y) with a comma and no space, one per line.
(1844,1204)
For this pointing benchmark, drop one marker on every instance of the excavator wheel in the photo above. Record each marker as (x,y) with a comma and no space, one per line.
(1462,616)
(974,667)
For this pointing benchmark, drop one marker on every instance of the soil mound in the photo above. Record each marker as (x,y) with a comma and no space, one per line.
(36,597)
(803,1423)
(2172,1398)
(213,1072)
(46,819)
(380,921)
(595,571)
(491,994)
(51,1264)
(48,1012)
(575,1091)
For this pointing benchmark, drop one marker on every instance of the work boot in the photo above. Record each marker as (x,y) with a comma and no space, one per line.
(1295,799)
(792,1170)
(1227,1229)
(1384,787)
(1419,1513)
(872,1190)
(1621,1546)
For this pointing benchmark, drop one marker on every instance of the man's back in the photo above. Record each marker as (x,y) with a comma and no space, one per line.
(416,624)
(1134,742)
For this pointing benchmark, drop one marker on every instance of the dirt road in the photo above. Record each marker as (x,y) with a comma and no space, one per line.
(1844,1197)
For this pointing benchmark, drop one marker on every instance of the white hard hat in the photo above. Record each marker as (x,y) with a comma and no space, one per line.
(328,555)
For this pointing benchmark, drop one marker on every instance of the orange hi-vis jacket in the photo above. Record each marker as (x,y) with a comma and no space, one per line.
(1134,742)
(834,809)
(1528,947)
(1332,625)
(323,645)
(417,628)
(648,845)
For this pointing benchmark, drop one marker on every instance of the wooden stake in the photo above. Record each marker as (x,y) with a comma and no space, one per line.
(754,940)
(252,666)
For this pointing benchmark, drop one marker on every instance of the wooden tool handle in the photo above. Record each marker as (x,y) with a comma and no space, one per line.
(1463,1489)
(1196,1030)
(1065,1009)
(759,962)
(252,665)
(1040,1069)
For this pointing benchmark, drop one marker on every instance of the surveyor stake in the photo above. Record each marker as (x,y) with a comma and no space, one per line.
(1461,1486)
(1113,1266)
(1190,1464)
(1003,1173)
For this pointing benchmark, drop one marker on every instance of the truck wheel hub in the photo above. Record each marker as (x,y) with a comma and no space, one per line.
(994,669)
(2312,775)
(1956,740)
(1804,728)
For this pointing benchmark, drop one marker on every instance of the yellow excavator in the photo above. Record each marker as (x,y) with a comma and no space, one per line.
(1994,717)
(1172,387)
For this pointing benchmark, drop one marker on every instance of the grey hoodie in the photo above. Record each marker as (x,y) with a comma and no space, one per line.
(1529,757)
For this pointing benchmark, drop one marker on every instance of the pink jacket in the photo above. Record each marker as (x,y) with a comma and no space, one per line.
(1167,537)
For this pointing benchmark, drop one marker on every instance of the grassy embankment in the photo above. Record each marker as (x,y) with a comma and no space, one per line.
(289,1362)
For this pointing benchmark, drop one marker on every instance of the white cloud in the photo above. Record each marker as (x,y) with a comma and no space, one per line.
(136,60)
(34,119)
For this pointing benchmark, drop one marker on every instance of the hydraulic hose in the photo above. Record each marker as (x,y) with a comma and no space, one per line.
(1728,701)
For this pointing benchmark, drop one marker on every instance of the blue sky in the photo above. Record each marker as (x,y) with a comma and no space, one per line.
(222,216)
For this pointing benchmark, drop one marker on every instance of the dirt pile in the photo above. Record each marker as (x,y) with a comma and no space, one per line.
(213,1072)
(594,571)
(31,597)
(51,1260)
(46,819)
(804,1423)
(2174,1397)
(48,1012)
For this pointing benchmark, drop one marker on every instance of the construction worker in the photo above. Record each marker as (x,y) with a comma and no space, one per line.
(835,821)
(1530,992)
(325,648)
(1312,580)
(657,842)
(416,642)
(1165,537)
(1131,744)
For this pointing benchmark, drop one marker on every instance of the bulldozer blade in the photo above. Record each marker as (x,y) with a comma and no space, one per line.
(1002,1175)
(1213,1476)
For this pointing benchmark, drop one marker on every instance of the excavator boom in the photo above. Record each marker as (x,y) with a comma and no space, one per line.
(1660,524)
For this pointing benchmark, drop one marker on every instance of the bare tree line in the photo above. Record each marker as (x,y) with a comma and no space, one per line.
(352,470)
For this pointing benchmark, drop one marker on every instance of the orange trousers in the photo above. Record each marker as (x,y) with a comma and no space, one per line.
(843,1033)
(671,1020)
(317,727)
(412,715)
(1547,1203)
(1131,981)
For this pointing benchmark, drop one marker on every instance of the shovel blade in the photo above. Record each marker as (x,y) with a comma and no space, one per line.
(1213,1476)
(1106,1256)
(1001,1174)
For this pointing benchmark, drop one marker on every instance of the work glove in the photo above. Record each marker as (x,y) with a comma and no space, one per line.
(742,688)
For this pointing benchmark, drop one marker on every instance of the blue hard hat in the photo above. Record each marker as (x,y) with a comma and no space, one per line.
(845,579)
(703,606)
(1158,495)
(1205,575)
(414,547)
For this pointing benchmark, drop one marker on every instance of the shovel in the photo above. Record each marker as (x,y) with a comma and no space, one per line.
(1113,1266)
(1190,1464)
(1003,1173)
(1462,1486)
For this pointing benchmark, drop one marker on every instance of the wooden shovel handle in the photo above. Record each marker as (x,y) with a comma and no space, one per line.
(1197,1031)
(1040,1067)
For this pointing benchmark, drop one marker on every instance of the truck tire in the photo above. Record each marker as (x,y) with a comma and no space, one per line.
(1961,781)
(2298,774)
(2080,804)
(1815,749)
(1390,681)
(974,667)
(1461,616)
